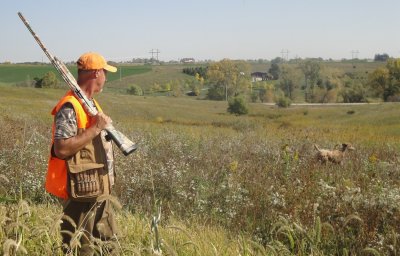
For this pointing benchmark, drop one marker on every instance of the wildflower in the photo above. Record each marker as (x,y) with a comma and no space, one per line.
(296,156)
(233,166)
(373,158)
(285,148)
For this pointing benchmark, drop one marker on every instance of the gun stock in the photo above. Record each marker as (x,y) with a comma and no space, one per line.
(122,142)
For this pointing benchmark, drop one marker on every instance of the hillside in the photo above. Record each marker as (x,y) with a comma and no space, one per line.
(228,181)
(160,74)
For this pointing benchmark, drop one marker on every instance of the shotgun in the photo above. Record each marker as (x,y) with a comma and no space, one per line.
(122,142)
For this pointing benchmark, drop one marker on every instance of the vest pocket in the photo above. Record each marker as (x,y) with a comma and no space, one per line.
(87,184)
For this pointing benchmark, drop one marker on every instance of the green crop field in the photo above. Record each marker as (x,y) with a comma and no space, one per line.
(226,184)
(143,75)
(14,73)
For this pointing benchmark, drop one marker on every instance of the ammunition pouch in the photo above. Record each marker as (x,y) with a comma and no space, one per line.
(86,185)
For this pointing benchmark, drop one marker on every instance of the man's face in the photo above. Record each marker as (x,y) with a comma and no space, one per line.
(101,78)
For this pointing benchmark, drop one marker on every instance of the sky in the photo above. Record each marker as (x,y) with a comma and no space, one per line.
(204,30)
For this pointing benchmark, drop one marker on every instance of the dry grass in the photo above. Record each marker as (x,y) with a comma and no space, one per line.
(249,179)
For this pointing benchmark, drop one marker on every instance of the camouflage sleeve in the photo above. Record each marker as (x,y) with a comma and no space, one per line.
(66,126)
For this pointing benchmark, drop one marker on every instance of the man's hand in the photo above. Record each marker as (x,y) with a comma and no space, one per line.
(102,121)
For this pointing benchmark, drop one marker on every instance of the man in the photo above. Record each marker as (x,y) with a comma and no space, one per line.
(81,166)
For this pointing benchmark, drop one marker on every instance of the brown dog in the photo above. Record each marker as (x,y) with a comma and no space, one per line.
(335,156)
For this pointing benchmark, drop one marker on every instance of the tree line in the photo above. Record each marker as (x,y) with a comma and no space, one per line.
(317,83)
(308,80)
(311,79)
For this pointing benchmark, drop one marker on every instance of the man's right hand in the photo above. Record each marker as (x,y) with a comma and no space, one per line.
(102,121)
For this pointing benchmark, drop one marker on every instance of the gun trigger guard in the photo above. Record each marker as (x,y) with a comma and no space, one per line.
(108,137)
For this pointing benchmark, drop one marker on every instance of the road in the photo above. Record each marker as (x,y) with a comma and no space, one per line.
(327,104)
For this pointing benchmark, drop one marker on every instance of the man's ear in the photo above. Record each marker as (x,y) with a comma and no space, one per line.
(96,73)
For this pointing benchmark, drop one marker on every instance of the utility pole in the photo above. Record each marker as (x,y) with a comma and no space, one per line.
(354,55)
(154,51)
(285,54)
(226,92)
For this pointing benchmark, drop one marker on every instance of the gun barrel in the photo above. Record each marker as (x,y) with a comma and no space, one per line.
(51,58)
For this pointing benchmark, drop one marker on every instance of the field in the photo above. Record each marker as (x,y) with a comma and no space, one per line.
(225,184)
(17,73)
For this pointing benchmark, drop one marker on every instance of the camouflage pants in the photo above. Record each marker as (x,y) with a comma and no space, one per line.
(95,228)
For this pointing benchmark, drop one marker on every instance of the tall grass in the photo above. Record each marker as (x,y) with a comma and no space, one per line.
(252,180)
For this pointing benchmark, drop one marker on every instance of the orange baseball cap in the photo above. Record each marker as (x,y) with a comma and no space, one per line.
(92,60)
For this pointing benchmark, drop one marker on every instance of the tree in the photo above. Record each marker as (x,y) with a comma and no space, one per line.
(393,65)
(277,60)
(289,77)
(199,78)
(311,70)
(177,88)
(237,106)
(266,93)
(392,91)
(329,84)
(354,92)
(200,71)
(50,80)
(381,57)
(385,82)
(275,71)
(156,87)
(37,82)
(254,96)
(167,87)
(228,78)
(378,81)
(195,85)
(283,102)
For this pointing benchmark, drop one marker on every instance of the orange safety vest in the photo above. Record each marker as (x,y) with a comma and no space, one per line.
(56,178)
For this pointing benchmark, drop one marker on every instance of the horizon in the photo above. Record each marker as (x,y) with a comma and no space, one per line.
(264,61)
(206,30)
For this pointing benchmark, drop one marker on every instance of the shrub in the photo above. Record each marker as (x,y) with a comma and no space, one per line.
(238,106)
(354,93)
(254,97)
(325,96)
(49,80)
(135,90)
(283,102)
(216,93)
(266,95)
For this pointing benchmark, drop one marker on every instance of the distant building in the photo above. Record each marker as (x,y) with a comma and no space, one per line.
(260,76)
(187,60)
